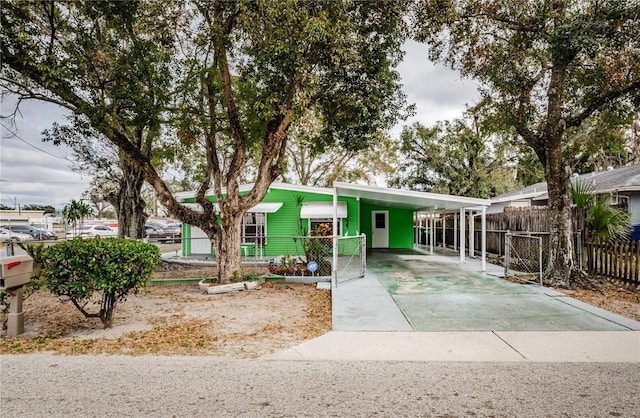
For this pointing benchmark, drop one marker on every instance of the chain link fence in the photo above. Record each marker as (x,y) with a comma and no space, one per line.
(296,258)
(352,258)
(527,254)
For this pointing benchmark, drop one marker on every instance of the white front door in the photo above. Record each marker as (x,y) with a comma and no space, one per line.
(380,229)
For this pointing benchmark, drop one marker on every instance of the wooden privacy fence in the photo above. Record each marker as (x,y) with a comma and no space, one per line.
(617,261)
(532,219)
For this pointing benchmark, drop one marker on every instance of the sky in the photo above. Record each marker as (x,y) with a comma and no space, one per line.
(33,172)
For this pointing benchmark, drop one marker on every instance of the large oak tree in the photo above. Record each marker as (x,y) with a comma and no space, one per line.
(228,78)
(107,62)
(311,162)
(546,67)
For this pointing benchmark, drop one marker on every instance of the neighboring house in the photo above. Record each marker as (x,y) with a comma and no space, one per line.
(385,216)
(623,184)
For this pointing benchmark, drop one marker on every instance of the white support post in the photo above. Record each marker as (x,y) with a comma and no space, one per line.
(334,264)
(455,231)
(462,245)
(416,241)
(484,238)
(432,224)
(444,233)
(472,238)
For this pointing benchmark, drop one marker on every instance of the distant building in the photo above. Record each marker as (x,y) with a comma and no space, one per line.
(36,218)
(622,183)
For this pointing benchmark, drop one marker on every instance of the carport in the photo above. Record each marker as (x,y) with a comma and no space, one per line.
(376,201)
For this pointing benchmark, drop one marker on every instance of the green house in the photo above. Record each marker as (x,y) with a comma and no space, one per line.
(386,217)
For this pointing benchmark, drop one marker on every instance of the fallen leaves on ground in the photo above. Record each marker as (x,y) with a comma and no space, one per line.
(612,297)
(180,320)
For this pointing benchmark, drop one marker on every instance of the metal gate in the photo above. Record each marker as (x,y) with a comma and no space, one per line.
(351,258)
(524,255)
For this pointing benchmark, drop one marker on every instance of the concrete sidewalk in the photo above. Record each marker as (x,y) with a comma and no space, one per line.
(507,346)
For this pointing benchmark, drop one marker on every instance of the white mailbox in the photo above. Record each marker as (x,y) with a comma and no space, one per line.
(15,271)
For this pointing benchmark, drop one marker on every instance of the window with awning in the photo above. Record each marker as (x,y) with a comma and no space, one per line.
(322,213)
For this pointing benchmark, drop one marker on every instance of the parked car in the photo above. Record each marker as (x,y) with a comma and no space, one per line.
(149,228)
(7,236)
(155,225)
(169,234)
(36,233)
(91,231)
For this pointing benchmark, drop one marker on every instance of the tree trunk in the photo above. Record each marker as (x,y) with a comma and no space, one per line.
(562,269)
(109,302)
(561,259)
(129,204)
(227,246)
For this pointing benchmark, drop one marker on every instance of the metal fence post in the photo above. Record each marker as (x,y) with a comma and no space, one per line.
(540,258)
(10,250)
(579,249)
(507,245)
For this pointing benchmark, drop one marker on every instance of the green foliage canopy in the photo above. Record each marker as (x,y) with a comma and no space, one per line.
(452,158)
(221,79)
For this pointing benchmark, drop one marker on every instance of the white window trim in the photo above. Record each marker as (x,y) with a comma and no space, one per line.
(263,237)
(324,220)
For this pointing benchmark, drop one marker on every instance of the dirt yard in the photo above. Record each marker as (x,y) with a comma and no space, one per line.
(613,297)
(179,319)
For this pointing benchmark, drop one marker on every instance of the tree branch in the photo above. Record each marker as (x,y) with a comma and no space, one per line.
(600,101)
(24,92)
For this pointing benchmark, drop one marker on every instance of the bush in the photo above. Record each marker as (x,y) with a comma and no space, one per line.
(83,269)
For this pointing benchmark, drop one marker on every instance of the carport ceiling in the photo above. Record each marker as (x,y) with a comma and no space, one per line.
(407,199)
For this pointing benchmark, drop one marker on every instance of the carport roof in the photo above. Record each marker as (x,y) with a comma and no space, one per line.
(408,199)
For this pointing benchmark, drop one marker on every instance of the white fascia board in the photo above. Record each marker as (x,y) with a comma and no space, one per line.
(182,196)
(301,188)
(263,207)
(410,197)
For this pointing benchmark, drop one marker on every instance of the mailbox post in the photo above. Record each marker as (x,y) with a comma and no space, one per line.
(15,272)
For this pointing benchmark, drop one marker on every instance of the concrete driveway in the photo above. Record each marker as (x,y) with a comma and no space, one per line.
(408,290)
(462,316)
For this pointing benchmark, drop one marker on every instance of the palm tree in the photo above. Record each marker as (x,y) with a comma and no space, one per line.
(76,211)
(604,222)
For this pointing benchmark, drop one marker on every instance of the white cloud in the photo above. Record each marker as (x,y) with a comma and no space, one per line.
(437,91)
(32,171)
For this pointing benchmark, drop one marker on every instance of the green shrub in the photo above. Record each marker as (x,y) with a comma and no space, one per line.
(105,269)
